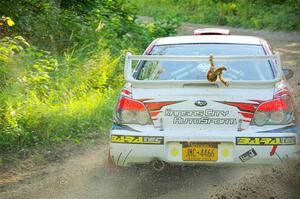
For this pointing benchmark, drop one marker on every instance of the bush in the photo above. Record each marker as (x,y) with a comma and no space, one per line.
(274,14)
(63,85)
(44,99)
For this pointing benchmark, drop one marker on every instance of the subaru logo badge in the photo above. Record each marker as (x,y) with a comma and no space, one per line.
(200,103)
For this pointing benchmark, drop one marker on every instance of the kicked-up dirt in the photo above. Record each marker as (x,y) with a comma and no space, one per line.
(85,173)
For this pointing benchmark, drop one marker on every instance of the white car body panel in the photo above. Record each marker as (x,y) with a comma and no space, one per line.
(230,39)
(132,154)
(177,120)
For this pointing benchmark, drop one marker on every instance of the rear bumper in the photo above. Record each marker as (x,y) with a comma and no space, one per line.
(128,147)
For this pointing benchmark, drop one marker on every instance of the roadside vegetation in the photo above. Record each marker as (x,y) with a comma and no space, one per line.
(61,67)
(282,15)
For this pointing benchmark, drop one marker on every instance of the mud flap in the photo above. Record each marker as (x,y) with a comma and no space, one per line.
(111,166)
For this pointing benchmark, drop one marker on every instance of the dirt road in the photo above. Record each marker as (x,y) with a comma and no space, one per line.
(85,175)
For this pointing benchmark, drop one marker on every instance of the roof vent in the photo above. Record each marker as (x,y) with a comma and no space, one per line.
(211,31)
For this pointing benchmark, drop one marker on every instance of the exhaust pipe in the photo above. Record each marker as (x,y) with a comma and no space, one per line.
(158,165)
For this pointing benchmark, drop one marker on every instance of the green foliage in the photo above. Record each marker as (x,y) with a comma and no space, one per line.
(63,85)
(59,26)
(165,26)
(45,99)
(281,15)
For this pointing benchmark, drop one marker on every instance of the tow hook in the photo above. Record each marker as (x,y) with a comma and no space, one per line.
(158,165)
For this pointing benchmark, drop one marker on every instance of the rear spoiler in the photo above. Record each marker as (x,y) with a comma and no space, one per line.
(129,78)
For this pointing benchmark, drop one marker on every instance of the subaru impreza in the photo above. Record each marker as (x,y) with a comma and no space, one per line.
(208,98)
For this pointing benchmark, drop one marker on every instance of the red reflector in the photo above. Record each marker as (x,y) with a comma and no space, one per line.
(274,105)
(129,104)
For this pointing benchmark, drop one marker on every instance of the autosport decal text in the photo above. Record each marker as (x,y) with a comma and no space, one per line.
(128,139)
(266,140)
(208,116)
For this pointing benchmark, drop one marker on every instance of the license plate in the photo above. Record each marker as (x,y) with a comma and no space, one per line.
(195,151)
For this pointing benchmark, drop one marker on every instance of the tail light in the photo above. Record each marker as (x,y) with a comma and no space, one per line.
(276,111)
(130,111)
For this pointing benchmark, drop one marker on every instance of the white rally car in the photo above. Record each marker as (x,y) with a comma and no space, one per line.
(209,98)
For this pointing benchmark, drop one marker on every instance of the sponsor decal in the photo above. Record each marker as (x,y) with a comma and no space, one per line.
(207,116)
(155,106)
(196,113)
(266,140)
(248,155)
(131,139)
(244,107)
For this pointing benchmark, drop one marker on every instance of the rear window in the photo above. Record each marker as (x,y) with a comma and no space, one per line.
(196,70)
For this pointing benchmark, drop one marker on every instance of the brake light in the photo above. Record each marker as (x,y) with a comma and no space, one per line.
(130,111)
(130,104)
(275,111)
(273,105)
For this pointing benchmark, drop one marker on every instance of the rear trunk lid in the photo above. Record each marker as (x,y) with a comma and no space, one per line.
(202,107)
